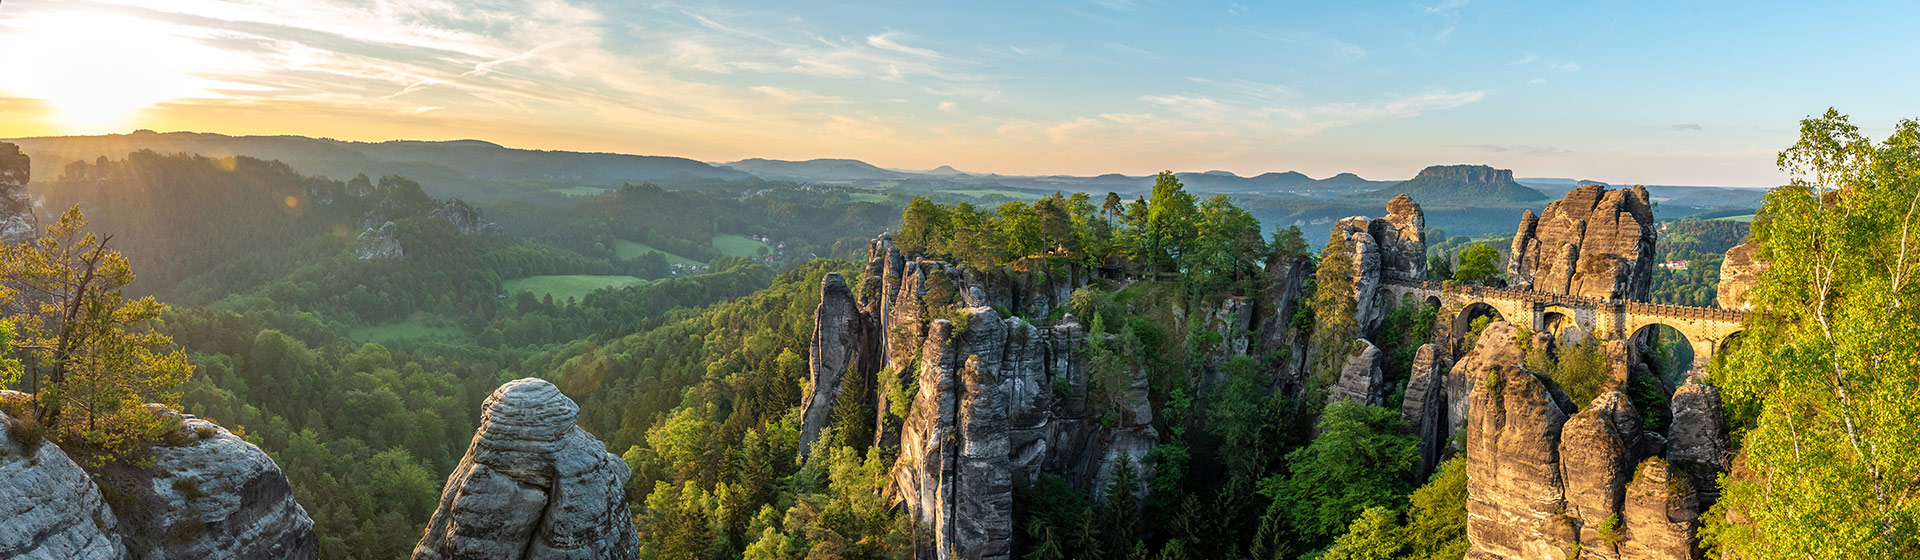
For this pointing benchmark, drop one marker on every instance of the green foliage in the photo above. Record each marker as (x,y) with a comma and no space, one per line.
(1333,308)
(1360,460)
(1582,370)
(1478,265)
(1832,452)
(1437,520)
(1375,535)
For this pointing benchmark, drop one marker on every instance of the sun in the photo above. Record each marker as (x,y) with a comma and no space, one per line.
(96,70)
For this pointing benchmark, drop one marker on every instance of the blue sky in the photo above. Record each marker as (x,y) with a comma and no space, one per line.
(1616,91)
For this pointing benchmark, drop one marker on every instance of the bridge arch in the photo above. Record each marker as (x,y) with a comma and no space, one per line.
(1674,354)
(1463,321)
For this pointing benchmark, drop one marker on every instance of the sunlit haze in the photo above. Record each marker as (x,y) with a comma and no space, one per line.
(1622,92)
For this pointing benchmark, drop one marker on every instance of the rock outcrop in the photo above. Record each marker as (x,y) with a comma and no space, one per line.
(1425,406)
(977,398)
(1739,272)
(1593,242)
(17,221)
(1277,342)
(1360,379)
(532,485)
(465,217)
(840,345)
(209,494)
(206,493)
(52,509)
(1387,248)
(382,243)
(1545,479)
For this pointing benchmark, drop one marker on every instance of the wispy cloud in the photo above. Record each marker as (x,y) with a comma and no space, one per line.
(1520,148)
(1525,58)
(1683,127)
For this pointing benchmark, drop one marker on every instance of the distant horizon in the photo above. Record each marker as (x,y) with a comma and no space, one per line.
(1517,176)
(1669,94)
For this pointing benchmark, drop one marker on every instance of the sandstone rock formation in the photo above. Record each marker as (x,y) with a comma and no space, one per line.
(1273,323)
(465,217)
(205,494)
(1544,478)
(379,243)
(1387,248)
(992,399)
(52,509)
(17,221)
(1425,405)
(532,485)
(1739,272)
(1593,242)
(1360,379)
(211,495)
(840,344)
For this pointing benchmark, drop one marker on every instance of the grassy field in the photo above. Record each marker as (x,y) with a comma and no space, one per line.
(576,286)
(401,330)
(867,197)
(1019,195)
(737,245)
(1747,218)
(582,191)
(628,249)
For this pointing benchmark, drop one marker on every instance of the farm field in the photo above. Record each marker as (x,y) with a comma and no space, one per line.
(628,249)
(737,245)
(563,286)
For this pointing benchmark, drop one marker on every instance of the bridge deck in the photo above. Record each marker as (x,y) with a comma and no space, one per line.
(1634,307)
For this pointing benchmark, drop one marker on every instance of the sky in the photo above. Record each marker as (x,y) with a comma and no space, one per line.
(1623,92)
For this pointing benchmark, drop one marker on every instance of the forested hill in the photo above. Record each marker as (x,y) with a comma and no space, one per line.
(468,169)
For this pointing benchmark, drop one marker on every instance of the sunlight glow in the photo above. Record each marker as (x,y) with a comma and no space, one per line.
(97,69)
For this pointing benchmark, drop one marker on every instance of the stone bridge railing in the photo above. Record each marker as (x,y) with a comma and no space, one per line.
(1634,307)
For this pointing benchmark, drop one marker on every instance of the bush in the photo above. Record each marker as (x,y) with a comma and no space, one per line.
(27,433)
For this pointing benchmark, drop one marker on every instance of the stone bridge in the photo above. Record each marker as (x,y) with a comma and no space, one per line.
(1706,329)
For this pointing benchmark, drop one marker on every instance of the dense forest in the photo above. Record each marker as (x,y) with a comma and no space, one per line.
(694,375)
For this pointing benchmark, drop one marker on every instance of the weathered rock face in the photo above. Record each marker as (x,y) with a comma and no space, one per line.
(225,492)
(17,222)
(532,485)
(1403,244)
(1739,272)
(381,243)
(1543,478)
(1425,405)
(1273,313)
(1515,490)
(840,334)
(1697,442)
(206,494)
(1368,307)
(1495,351)
(1594,242)
(1360,379)
(50,507)
(465,217)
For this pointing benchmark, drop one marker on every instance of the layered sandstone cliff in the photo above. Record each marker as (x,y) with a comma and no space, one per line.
(1546,478)
(1593,242)
(532,486)
(1739,272)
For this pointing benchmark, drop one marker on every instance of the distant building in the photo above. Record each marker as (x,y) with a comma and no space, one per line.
(1674,265)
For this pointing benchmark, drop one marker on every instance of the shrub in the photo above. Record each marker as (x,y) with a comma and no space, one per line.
(28,434)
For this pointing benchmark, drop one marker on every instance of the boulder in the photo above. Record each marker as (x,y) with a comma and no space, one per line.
(1739,272)
(1593,242)
(51,509)
(382,243)
(532,485)
(1360,379)
(210,494)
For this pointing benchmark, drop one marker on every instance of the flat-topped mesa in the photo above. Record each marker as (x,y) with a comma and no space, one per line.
(533,486)
(1594,242)
(1467,173)
(17,223)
